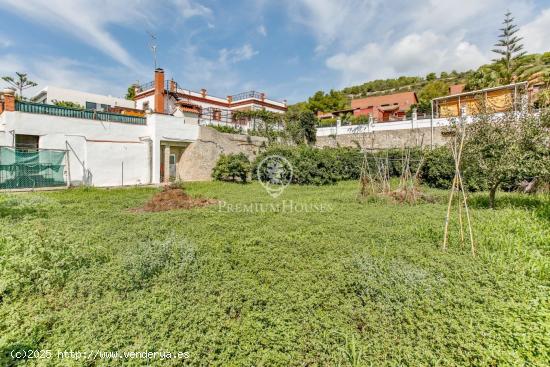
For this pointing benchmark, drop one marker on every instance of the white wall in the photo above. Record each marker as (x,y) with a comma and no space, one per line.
(98,150)
(381,126)
(62,94)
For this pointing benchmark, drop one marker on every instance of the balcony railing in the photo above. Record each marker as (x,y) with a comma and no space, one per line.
(247,95)
(46,109)
(146,86)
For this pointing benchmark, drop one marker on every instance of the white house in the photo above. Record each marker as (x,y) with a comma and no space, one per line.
(101,149)
(90,101)
(113,143)
(165,96)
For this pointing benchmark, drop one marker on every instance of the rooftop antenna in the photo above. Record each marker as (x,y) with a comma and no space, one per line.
(153,46)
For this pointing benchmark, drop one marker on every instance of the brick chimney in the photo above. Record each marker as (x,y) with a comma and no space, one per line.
(9,99)
(229,99)
(203,93)
(262,96)
(159,91)
(172,85)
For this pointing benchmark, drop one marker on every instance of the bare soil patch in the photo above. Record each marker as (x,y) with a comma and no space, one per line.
(171,198)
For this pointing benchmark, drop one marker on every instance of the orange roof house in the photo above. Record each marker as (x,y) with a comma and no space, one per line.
(456,89)
(385,108)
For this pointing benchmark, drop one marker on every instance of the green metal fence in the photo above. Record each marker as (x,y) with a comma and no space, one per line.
(47,109)
(21,169)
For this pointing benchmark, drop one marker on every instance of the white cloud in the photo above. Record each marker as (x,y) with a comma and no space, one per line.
(262,30)
(4,42)
(66,73)
(414,54)
(535,34)
(201,72)
(330,21)
(234,55)
(363,40)
(85,20)
(188,9)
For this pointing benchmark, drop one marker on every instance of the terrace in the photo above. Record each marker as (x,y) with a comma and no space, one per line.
(172,86)
(46,109)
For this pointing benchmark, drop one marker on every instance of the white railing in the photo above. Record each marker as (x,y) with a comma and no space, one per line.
(381,126)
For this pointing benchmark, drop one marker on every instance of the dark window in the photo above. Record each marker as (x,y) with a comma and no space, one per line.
(146,105)
(217,115)
(91,105)
(105,107)
(26,142)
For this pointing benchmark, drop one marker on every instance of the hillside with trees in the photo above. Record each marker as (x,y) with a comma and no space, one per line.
(511,65)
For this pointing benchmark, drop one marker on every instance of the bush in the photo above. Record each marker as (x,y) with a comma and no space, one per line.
(232,167)
(438,168)
(313,166)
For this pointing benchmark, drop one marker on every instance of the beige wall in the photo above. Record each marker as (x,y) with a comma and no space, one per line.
(385,139)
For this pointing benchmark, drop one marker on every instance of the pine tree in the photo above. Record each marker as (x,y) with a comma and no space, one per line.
(509,47)
(21,82)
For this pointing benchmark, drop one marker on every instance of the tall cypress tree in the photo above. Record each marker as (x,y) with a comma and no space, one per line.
(509,47)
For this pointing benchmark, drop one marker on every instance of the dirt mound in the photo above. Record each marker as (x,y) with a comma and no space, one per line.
(171,198)
(410,196)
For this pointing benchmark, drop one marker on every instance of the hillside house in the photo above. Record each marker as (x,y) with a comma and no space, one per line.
(389,107)
(493,100)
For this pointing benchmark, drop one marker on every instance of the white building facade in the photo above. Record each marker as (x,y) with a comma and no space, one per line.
(166,96)
(101,149)
(137,143)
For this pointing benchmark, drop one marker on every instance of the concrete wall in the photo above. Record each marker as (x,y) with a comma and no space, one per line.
(200,157)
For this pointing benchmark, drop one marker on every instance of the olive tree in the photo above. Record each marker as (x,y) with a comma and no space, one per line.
(507,146)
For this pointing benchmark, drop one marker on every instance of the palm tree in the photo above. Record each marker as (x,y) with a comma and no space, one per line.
(21,82)
(509,47)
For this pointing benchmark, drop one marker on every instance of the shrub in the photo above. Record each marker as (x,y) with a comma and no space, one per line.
(438,168)
(232,167)
(313,166)
(227,129)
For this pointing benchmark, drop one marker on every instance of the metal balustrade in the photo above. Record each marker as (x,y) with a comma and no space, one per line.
(246,95)
(52,110)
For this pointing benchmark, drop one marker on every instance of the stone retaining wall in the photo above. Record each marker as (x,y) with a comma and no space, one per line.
(200,157)
(385,139)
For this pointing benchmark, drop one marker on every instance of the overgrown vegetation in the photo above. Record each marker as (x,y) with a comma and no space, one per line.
(68,104)
(227,129)
(358,284)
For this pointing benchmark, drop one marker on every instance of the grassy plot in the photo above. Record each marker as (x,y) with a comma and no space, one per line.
(336,282)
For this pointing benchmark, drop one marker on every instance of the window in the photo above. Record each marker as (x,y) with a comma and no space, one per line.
(26,142)
(217,115)
(145,105)
(104,107)
(91,106)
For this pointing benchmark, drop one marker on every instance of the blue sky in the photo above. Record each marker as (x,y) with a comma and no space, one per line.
(287,48)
